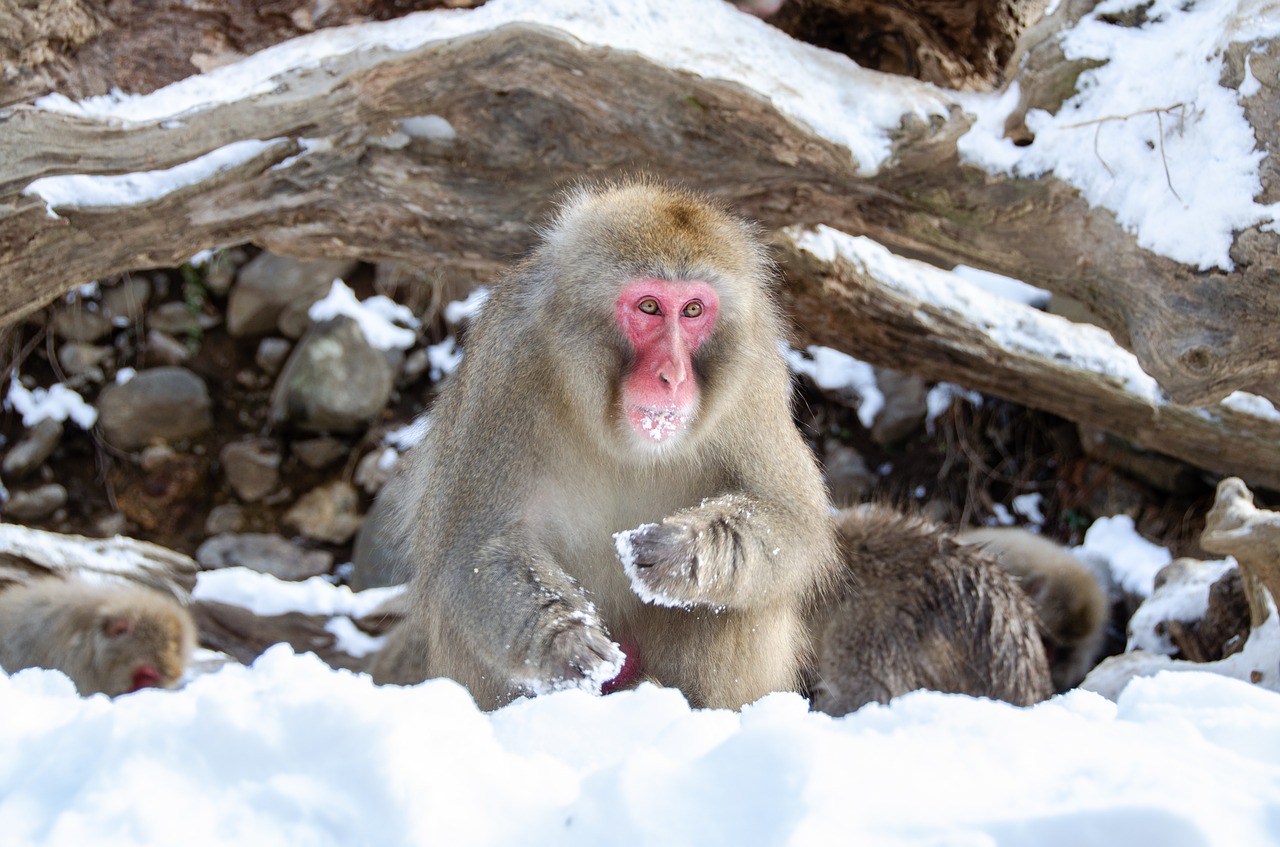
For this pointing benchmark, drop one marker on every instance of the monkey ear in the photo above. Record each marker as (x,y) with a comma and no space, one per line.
(116,627)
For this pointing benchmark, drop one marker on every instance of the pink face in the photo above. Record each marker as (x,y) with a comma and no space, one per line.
(665,323)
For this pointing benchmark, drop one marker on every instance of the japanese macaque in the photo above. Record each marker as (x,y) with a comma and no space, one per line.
(1070,603)
(919,610)
(110,638)
(612,488)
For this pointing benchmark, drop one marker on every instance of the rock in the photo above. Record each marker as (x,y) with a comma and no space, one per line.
(265,553)
(78,358)
(271,354)
(376,468)
(110,525)
(251,467)
(165,349)
(334,381)
(125,302)
(904,406)
(269,285)
(317,453)
(35,504)
(180,319)
(848,477)
(30,452)
(83,321)
(169,404)
(229,517)
(156,457)
(327,513)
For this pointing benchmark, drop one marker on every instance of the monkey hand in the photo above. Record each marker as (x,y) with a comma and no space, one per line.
(572,651)
(666,566)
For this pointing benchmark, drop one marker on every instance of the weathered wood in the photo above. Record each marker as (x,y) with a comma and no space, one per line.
(1236,527)
(534,110)
(854,306)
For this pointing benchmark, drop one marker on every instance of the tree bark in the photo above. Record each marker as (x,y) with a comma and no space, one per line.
(534,109)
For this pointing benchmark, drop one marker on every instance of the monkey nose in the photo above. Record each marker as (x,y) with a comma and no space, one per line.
(672,373)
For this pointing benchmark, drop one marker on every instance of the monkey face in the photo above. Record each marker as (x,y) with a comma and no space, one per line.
(665,322)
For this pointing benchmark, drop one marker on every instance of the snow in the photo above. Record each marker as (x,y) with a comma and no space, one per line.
(1134,561)
(291,752)
(80,190)
(264,594)
(56,403)
(1184,596)
(460,311)
(839,372)
(384,323)
(1151,134)
(853,107)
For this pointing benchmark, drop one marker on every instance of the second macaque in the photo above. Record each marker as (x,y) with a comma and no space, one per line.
(917,610)
(110,638)
(612,488)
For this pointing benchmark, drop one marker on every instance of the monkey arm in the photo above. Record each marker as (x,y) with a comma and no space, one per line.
(524,616)
(733,551)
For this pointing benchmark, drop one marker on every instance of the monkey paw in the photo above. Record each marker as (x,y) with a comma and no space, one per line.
(663,564)
(576,653)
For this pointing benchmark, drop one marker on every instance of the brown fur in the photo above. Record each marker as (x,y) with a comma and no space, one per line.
(96,633)
(527,472)
(1069,601)
(919,610)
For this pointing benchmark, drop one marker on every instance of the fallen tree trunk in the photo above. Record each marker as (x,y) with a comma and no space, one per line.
(442,142)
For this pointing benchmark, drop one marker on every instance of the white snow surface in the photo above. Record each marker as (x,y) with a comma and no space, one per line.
(384,323)
(57,402)
(291,752)
(77,190)
(1133,560)
(832,370)
(825,91)
(264,594)
(1151,134)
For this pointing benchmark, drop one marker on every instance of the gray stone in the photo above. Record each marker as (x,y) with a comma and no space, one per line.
(109,525)
(125,302)
(164,349)
(272,353)
(78,358)
(377,466)
(30,452)
(334,381)
(251,467)
(228,517)
(317,453)
(848,478)
(270,554)
(164,404)
(178,319)
(328,513)
(904,406)
(37,503)
(84,321)
(268,285)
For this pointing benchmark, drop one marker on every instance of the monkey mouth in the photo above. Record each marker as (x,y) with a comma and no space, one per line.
(657,424)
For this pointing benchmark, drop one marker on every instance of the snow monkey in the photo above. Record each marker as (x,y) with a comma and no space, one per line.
(612,488)
(1070,602)
(110,638)
(919,610)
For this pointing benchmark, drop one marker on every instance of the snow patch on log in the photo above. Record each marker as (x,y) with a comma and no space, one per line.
(1169,151)
(824,91)
(79,190)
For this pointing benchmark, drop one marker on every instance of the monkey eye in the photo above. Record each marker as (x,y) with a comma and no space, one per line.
(692,309)
(650,306)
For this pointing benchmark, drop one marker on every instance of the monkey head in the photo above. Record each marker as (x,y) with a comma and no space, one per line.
(675,282)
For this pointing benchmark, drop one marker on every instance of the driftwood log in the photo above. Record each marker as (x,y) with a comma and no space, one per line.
(329,160)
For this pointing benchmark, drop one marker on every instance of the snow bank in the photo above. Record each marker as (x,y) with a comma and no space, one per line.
(291,752)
